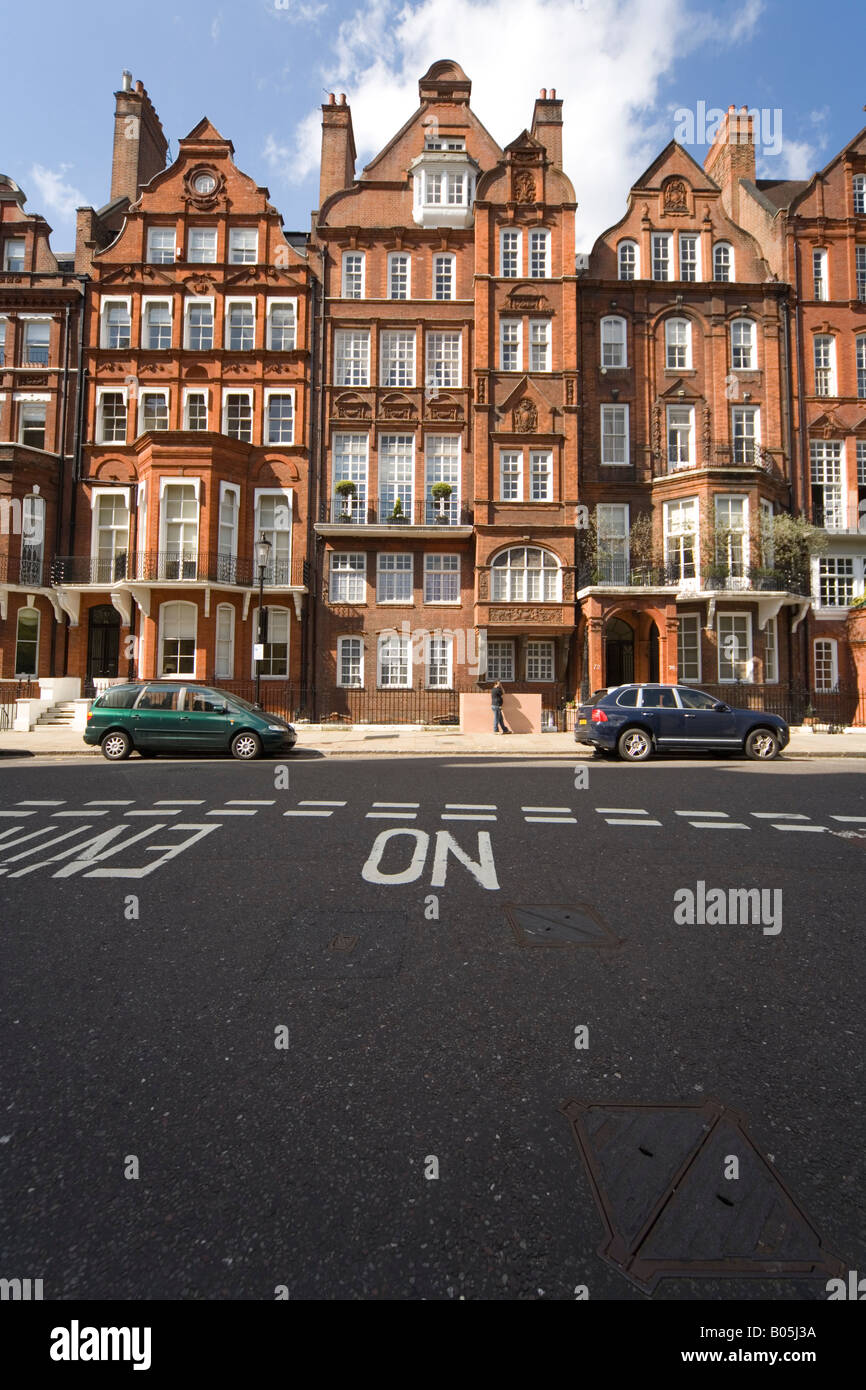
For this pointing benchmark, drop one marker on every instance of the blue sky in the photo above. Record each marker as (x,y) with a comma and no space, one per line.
(261,68)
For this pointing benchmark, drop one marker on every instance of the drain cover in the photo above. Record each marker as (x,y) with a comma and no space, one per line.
(657,1173)
(556,924)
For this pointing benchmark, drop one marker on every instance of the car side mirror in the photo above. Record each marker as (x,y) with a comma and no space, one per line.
(220,709)
(720,707)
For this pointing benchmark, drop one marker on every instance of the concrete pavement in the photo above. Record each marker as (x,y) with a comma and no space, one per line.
(391,741)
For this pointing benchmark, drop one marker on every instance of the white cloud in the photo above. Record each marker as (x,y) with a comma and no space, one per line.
(797,159)
(296,11)
(216,26)
(54,196)
(607,61)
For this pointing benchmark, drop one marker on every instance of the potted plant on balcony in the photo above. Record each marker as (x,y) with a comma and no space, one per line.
(397,515)
(441,493)
(347,491)
(715,576)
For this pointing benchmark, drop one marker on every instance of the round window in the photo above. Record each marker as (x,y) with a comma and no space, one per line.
(204,183)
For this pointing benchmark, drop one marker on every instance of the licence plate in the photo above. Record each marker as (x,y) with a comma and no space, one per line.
(581,721)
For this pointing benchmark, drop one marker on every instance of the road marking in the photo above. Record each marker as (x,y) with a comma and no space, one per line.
(391,815)
(553,820)
(551,810)
(815,829)
(162,803)
(398,805)
(40,803)
(230,811)
(252,803)
(632,822)
(163,812)
(321,803)
(779,815)
(621,811)
(722,815)
(468,806)
(308,813)
(461,815)
(70,814)
(719,825)
(8,815)
(111,803)
(856,820)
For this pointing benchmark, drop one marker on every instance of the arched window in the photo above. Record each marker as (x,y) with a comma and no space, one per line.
(27,642)
(614,352)
(860,192)
(743,355)
(276,658)
(526,574)
(723,261)
(678,344)
(628,260)
(177,635)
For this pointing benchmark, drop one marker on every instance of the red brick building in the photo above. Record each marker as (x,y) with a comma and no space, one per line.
(40,322)
(814,235)
(449,367)
(685,443)
(197,412)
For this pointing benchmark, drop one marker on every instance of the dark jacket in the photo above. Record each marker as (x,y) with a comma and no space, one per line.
(496,695)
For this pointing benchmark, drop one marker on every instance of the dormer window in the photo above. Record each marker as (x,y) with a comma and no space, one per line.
(444,185)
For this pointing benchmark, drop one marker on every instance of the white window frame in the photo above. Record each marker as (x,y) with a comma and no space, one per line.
(858,189)
(391,361)
(188,554)
(30,320)
(405,659)
(396,456)
(96,497)
(536,476)
(435,362)
(355,571)
(274,609)
(239,301)
(247,394)
(28,608)
(351,469)
(511,481)
(446,645)
(820,283)
(353,660)
(505,234)
(14,264)
(148,302)
(110,302)
(504,589)
(390,566)
(279,571)
(438,462)
(513,344)
(192,233)
(172,233)
(228,556)
(540,327)
(353,365)
(235,233)
(690,460)
(610,408)
(101,392)
(224,669)
(165,394)
(736,555)
(176,676)
(435,574)
(625,245)
(843,579)
(270,393)
(197,302)
(827,471)
(681,519)
(744,447)
(744,351)
(694,239)
(748,661)
(188,393)
(393,258)
(824,344)
(832,652)
(282,302)
(610,343)
(353,278)
(771,652)
(860,364)
(451,259)
(660,240)
(676,349)
(723,246)
(541,651)
(500,659)
(691,674)
(613,542)
(538,236)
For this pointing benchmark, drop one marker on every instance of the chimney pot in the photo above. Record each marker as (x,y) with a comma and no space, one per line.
(332,100)
(126,82)
(553,94)
(139,86)
(342,98)
(543,94)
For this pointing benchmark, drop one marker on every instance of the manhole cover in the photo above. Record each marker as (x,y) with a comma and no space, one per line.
(658,1177)
(557,924)
(343,942)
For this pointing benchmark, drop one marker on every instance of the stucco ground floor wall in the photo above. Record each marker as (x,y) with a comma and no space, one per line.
(29,636)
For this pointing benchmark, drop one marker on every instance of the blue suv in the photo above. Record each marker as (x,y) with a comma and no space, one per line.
(637,720)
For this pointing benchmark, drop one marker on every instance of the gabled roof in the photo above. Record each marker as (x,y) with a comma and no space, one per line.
(859,138)
(649,177)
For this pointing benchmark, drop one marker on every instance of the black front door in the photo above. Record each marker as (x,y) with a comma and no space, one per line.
(618,653)
(103,642)
(653,652)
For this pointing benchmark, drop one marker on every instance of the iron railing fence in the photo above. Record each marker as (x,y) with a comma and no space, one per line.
(10,691)
(419,512)
(294,701)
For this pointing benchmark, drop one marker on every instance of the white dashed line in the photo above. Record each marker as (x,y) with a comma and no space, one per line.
(251,803)
(853,820)
(70,815)
(722,815)
(621,811)
(719,825)
(779,815)
(159,814)
(461,815)
(399,805)
(132,803)
(40,803)
(553,820)
(308,813)
(320,803)
(162,803)
(467,806)
(391,815)
(549,810)
(228,811)
(815,829)
(628,821)
(16,814)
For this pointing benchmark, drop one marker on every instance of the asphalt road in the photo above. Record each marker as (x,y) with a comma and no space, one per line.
(166,924)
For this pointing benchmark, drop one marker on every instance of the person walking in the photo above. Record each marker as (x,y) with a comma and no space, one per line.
(497,695)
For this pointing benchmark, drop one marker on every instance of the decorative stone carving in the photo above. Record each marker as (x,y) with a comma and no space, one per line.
(351,408)
(675,196)
(569,390)
(524,615)
(523,185)
(483,585)
(708,432)
(200,284)
(396,408)
(657,430)
(529,301)
(236,366)
(524,417)
(567,585)
(481,390)
(444,410)
(32,381)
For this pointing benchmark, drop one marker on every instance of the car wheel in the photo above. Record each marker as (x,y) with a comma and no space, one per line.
(634,745)
(761,745)
(246,745)
(116,746)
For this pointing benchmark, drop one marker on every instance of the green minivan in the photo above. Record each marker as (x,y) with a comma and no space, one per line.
(165,717)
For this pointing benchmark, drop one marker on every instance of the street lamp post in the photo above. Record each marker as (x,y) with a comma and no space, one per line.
(263,555)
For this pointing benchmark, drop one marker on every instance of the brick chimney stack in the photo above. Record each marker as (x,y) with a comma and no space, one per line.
(140,147)
(338,148)
(731,156)
(547,124)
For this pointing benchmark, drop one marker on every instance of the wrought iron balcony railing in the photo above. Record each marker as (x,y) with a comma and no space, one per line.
(27,568)
(174,566)
(418,513)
